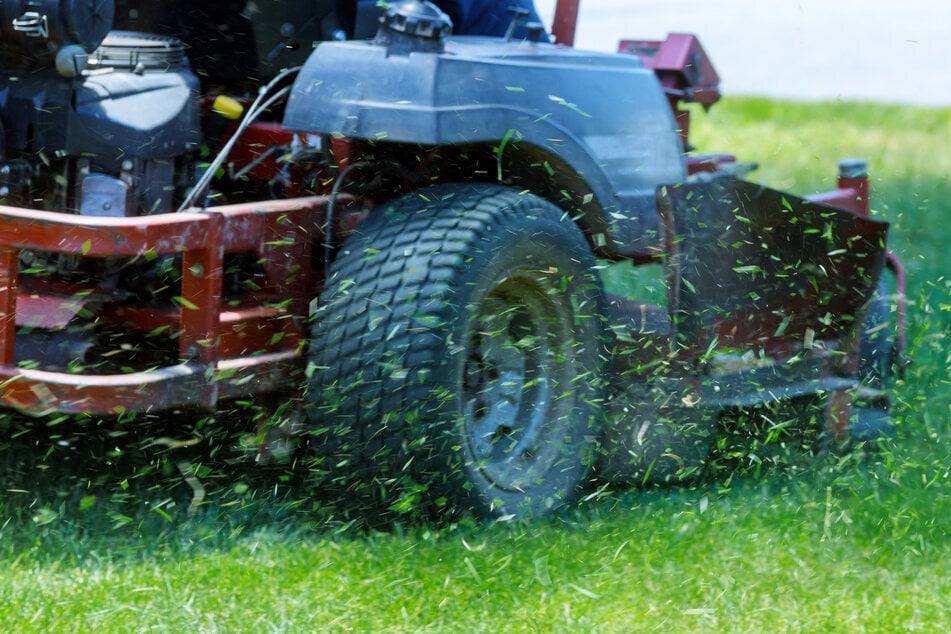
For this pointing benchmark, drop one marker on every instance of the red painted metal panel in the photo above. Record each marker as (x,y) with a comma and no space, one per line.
(796,272)
(851,194)
(39,392)
(101,236)
(8,303)
(201,297)
(259,151)
(681,64)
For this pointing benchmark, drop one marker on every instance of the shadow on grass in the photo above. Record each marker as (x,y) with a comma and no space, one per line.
(160,482)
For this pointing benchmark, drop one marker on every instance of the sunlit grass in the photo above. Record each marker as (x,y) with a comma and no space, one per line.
(837,551)
(823,544)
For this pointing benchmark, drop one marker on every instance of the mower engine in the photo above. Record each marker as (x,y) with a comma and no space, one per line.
(92,122)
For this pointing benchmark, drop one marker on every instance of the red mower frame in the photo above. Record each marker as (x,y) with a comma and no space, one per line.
(258,346)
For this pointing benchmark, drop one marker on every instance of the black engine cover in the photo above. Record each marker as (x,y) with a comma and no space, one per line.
(134,112)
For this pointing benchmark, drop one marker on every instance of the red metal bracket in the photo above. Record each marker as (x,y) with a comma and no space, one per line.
(281,233)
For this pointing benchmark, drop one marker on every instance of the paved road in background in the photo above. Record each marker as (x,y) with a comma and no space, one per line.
(879,50)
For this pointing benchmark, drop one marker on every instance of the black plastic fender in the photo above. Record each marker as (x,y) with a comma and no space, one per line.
(603,115)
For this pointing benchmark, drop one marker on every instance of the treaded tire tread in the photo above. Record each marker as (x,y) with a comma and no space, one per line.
(384,328)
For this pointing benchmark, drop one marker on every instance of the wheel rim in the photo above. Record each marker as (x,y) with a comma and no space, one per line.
(517,374)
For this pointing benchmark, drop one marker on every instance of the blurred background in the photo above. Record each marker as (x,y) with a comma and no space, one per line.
(876,50)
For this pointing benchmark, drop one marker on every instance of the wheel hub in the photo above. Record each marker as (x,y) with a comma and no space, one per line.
(517,367)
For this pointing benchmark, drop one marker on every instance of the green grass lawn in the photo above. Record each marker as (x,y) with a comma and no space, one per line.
(852,543)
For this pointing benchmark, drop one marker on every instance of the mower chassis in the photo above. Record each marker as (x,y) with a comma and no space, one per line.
(224,351)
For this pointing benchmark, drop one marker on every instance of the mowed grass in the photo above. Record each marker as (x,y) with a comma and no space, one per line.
(826,554)
(851,543)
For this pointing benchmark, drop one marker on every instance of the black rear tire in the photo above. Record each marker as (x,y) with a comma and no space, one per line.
(877,352)
(456,357)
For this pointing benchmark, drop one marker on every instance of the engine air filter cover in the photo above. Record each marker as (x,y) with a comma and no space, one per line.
(130,50)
